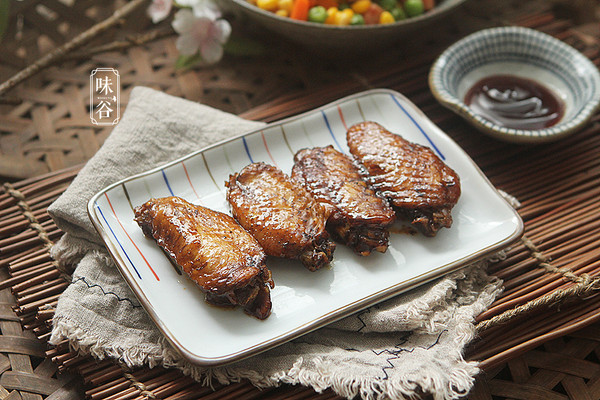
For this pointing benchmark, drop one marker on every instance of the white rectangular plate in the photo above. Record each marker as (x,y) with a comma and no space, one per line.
(302,300)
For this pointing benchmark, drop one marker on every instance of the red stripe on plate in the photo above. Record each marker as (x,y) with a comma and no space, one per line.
(126,233)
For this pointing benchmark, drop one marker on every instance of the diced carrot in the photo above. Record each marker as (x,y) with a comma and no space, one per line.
(372,14)
(300,10)
(327,3)
(428,4)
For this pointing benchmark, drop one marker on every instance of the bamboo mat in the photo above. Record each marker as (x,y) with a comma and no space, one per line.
(539,340)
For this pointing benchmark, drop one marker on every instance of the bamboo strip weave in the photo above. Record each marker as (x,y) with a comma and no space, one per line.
(552,276)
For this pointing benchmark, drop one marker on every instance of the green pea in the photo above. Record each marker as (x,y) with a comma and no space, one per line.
(317,14)
(357,19)
(388,4)
(398,13)
(414,7)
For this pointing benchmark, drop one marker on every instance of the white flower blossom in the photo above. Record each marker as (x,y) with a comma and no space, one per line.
(202,8)
(203,34)
(159,9)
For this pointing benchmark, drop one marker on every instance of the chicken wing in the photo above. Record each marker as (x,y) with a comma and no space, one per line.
(419,185)
(284,218)
(357,216)
(224,260)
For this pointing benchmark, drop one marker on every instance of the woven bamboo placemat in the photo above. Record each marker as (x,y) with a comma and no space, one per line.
(539,340)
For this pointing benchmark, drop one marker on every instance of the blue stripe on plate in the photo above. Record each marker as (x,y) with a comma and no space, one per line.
(331,132)
(418,126)
(117,239)
(247,149)
(167,182)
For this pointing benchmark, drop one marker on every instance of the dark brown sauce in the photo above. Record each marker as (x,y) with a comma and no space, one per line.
(515,102)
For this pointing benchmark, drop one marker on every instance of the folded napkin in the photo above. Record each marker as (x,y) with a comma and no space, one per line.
(398,348)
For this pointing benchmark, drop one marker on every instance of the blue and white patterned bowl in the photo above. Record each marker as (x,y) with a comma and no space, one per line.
(525,53)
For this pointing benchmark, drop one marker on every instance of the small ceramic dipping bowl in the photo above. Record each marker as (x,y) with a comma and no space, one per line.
(494,59)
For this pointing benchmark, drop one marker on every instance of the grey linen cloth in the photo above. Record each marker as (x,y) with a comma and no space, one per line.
(411,343)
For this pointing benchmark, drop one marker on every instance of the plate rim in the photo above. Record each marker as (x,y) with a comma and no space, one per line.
(332,316)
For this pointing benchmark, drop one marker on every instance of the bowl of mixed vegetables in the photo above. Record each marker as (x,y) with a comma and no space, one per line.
(334,24)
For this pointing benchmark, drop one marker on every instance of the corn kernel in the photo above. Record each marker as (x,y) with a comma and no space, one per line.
(285,5)
(282,13)
(269,5)
(331,13)
(343,17)
(361,6)
(386,17)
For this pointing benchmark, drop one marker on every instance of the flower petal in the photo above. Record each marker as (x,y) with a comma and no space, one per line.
(159,10)
(211,51)
(183,21)
(187,45)
(201,30)
(185,3)
(207,9)
(222,30)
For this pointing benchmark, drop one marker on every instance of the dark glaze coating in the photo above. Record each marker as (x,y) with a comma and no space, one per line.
(418,184)
(283,217)
(224,260)
(357,215)
(515,102)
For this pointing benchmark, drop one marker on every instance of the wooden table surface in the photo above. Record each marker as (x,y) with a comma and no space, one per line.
(539,340)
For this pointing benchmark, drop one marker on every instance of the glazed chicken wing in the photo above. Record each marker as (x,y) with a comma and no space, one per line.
(224,260)
(357,215)
(284,218)
(419,185)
